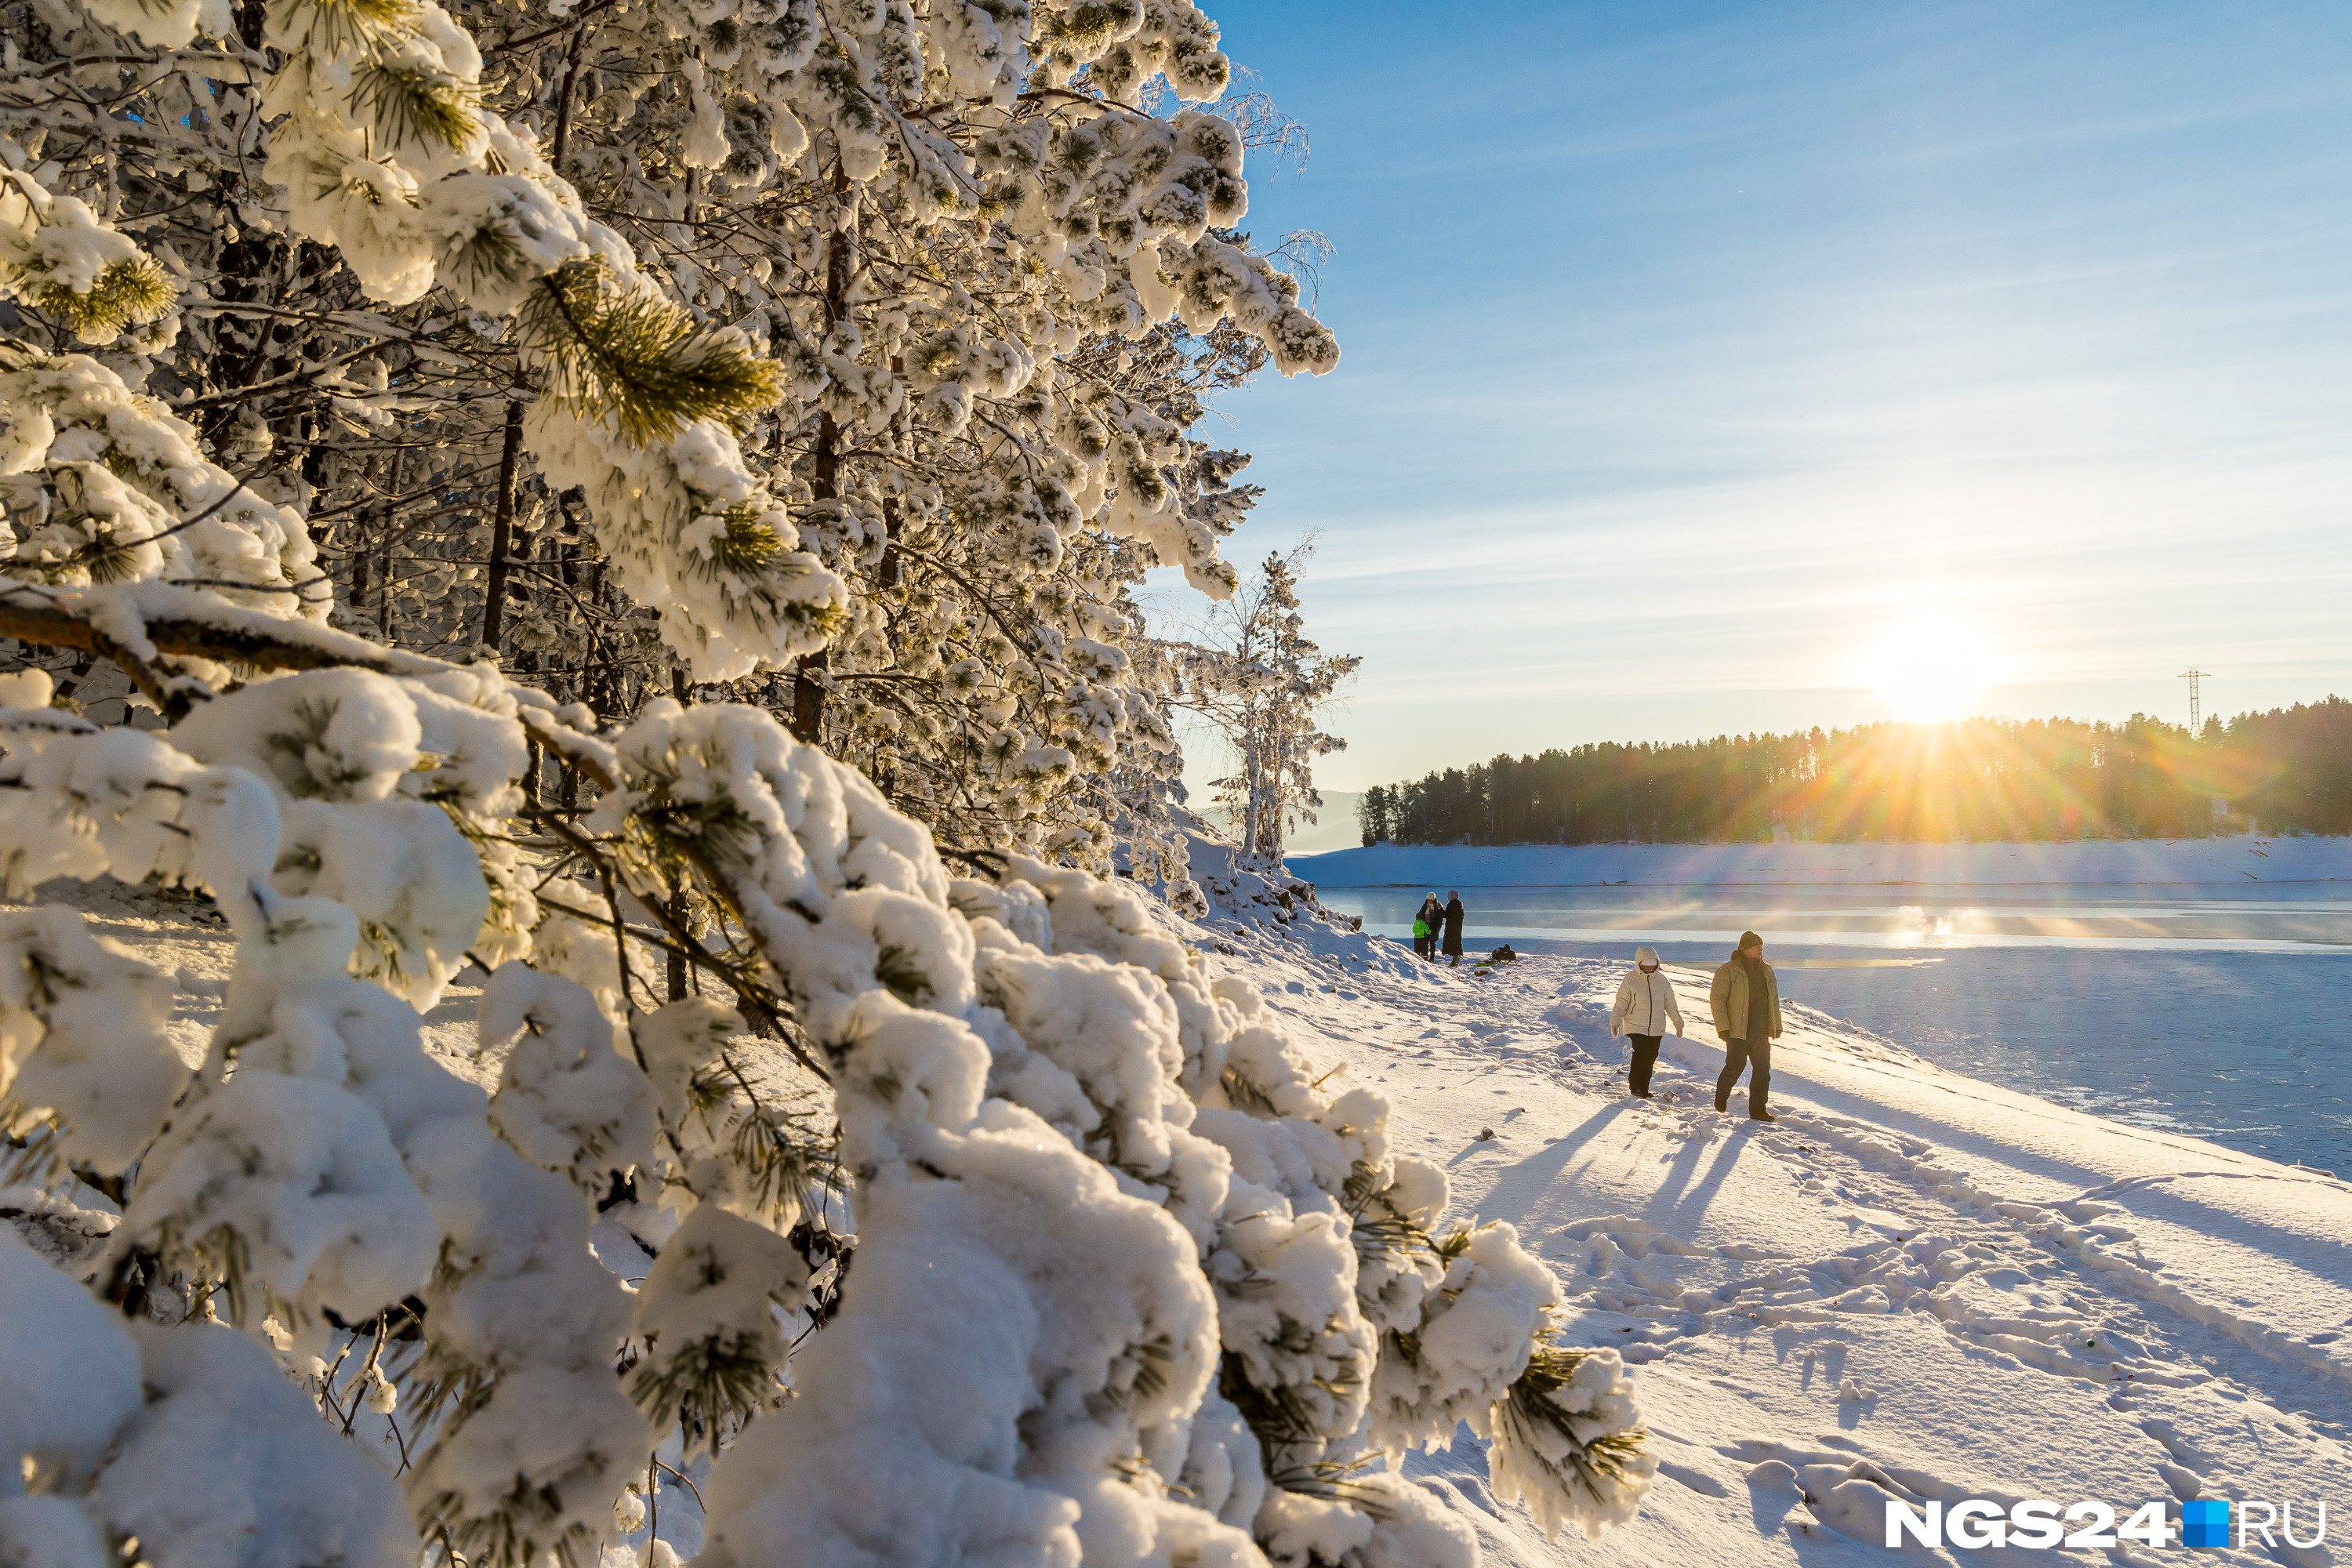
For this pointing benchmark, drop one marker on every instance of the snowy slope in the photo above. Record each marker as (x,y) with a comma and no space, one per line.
(2080,863)
(1914,1280)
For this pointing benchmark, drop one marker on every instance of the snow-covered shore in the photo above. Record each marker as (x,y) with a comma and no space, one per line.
(1915,1284)
(2077,863)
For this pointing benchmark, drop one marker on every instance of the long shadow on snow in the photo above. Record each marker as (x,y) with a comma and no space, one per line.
(1668,1207)
(1948,1142)
(1943,1137)
(1519,1188)
(1522,1182)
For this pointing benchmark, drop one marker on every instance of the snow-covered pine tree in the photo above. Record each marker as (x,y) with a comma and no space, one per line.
(970,259)
(1131,1279)
(1262,684)
(396,430)
(359,129)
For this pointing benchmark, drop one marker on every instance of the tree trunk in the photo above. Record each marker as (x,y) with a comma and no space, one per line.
(494,594)
(563,101)
(677,959)
(683,689)
(361,560)
(888,573)
(383,576)
(825,482)
(1249,785)
(808,696)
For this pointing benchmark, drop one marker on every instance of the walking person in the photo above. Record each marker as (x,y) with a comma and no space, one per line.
(1433,917)
(1454,927)
(1746,1000)
(1645,1005)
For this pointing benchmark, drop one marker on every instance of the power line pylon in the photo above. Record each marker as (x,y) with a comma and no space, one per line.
(2195,716)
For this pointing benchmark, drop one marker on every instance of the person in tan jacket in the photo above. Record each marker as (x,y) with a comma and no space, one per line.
(1746,1001)
(1645,1005)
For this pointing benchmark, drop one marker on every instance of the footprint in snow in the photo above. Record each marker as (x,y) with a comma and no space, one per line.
(1698,1481)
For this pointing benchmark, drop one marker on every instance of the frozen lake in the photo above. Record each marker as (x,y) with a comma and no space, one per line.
(2203,1008)
(1911,917)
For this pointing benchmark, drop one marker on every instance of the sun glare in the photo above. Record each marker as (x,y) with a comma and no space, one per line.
(1931,670)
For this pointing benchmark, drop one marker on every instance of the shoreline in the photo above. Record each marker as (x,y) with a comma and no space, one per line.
(2247,860)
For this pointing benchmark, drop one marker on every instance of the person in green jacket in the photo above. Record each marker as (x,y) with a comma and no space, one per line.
(1433,917)
(1746,1001)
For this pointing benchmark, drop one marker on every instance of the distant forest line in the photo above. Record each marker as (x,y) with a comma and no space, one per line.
(2286,770)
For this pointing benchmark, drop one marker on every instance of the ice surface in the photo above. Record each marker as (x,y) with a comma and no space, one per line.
(2075,862)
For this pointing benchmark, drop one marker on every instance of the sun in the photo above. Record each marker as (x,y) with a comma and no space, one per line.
(1931,669)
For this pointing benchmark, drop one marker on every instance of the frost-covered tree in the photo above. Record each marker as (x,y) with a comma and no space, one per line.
(931,1217)
(1262,685)
(988,259)
(1003,283)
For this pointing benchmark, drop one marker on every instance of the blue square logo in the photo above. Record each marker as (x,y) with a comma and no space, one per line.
(2205,1522)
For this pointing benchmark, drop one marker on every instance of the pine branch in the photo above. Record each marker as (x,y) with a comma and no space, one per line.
(203,627)
(635,358)
(128,292)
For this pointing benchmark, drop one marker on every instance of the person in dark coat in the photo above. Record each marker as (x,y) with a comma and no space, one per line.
(1454,927)
(1746,1001)
(1433,913)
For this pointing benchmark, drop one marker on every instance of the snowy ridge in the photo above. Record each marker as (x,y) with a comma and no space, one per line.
(2076,862)
(1916,1285)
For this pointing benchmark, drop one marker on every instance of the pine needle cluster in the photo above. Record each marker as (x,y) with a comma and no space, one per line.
(331,27)
(784,1153)
(1592,1472)
(130,292)
(632,356)
(746,541)
(1283,1417)
(709,1388)
(1377,1227)
(413,104)
(509,1536)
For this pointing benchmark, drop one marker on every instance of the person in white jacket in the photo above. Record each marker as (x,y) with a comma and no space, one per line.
(1645,1005)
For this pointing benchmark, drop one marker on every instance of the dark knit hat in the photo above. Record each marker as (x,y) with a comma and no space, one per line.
(1748,939)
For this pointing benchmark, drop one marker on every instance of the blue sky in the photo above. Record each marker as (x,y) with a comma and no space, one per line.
(1707,368)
